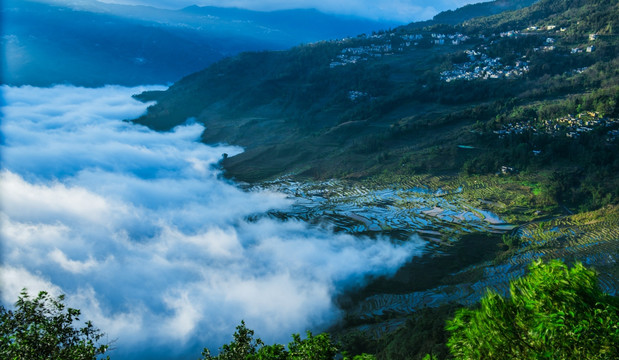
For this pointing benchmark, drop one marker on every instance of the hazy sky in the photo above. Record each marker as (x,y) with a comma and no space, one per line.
(395,10)
(139,231)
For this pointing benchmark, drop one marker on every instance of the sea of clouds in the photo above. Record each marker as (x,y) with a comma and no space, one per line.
(142,234)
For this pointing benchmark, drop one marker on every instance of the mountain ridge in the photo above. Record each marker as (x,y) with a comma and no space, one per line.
(93,43)
(470,11)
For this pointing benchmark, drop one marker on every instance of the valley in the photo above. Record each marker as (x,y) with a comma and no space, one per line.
(493,141)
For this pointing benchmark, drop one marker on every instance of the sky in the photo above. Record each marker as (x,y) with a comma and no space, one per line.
(403,11)
(141,232)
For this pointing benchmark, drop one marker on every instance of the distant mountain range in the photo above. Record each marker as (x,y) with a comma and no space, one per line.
(92,43)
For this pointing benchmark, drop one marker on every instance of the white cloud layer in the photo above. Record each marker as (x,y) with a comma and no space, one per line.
(140,232)
(403,11)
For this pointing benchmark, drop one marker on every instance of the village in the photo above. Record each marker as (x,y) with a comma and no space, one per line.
(386,44)
(571,126)
(481,66)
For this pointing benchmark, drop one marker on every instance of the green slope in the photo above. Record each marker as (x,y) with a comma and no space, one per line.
(298,111)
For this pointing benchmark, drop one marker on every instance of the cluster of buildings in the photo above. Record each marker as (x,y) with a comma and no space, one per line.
(387,44)
(355,95)
(481,66)
(361,53)
(510,33)
(590,48)
(570,125)
(546,28)
(549,43)
(454,39)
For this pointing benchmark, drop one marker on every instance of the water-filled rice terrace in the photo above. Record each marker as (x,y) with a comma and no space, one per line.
(364,209)
(441,215)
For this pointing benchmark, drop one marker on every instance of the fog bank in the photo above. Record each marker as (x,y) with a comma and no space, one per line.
(140,232)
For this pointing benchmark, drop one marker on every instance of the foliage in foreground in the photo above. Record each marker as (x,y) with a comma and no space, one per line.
(555,312)
(245,347)
(423,333)
(42,328)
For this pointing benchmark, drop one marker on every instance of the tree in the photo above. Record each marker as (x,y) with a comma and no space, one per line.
(42,328)
(271,352)
(554,312)
(242,347)
(245,347)
(317,347)
(362,357)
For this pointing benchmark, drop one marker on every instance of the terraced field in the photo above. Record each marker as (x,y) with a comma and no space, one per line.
(435,214)
(441,211)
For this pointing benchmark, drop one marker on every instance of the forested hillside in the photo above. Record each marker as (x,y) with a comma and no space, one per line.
(404,100)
